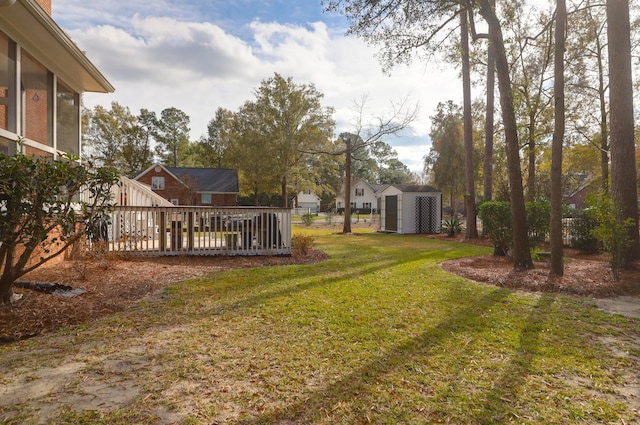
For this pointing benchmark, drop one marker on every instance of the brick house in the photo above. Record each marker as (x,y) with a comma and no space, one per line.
(193,186)
(42,78)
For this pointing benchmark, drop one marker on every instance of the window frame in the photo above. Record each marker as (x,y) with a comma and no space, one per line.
(157,183)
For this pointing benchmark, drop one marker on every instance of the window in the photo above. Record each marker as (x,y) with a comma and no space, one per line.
(366,205)
(7,83)
(175,202)
(206,198)
(353,205)
(157,183)
(359,191)
(67,120)
(37,100)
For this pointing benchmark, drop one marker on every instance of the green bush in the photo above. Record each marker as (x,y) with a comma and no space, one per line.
(611,231)
(451,226)
(496,225)
(538,221)
(583,223)
(307,219)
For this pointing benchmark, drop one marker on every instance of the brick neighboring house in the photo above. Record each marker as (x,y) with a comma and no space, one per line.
(193,186)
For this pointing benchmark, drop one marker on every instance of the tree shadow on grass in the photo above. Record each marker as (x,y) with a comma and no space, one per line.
(361,382)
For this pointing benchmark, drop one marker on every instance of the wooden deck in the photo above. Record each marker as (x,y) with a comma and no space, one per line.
(156,231)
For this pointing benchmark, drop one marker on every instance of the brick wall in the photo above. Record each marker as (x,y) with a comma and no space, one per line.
(174,189)
(46,5)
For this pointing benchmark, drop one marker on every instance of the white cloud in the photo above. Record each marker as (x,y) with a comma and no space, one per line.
(161,62)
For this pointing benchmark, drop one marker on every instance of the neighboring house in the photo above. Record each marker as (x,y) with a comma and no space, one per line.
(193,186)
(364,196)
(42,78)
(129,193)
(411,209)
(308,200)
(587,186)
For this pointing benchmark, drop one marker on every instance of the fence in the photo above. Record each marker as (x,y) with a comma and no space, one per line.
(156,231)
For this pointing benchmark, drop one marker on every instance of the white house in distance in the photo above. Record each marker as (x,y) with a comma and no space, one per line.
(308,200)
(363,196)
(411,209)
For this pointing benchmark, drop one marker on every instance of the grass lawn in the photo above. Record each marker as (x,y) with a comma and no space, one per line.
(377,334)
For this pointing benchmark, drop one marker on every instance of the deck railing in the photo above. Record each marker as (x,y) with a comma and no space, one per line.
(156,231)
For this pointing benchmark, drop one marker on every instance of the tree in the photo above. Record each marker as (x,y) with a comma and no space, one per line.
(624,190)
(404,29)
(366,135)
(171,133)
(470,191)
(40,214)
(117,139)
(557,262)
(215,144)
(442,163)
(293,121)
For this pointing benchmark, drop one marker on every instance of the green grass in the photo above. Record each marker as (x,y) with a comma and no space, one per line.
(377,334)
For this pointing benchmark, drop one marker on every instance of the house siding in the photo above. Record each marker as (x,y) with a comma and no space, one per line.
(175,189)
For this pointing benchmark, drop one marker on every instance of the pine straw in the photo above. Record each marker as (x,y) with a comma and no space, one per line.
(112,285)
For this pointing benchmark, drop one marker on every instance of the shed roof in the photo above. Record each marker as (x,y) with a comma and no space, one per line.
(415,188)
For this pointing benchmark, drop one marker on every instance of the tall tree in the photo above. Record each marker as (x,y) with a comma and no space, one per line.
(294,122)
(172,136)
(470,191)
(624,189)
(214,145)
(406,28)
(557,261)
(117,139)
(442,164)
(521,254)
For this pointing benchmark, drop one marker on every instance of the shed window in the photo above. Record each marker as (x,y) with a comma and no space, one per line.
(157,183)
(206,198)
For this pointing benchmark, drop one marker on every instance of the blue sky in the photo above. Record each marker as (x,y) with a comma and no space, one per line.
(199,55)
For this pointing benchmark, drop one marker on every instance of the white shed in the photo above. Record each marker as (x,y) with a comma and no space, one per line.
(411,209)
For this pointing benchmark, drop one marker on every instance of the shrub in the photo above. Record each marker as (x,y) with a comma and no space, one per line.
(611,231)
(302,243)
(496,225)
(451,226)
(538,221)
(307,219)
(583,223)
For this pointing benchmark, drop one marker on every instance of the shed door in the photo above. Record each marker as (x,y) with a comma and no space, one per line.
(391,213)
(426,214)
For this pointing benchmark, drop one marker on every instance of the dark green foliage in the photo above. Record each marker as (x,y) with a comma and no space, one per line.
(538,221)
(45,206)
(582,226)
(451,226)
(496,223)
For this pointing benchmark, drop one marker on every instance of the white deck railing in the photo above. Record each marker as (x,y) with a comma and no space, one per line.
(199,231)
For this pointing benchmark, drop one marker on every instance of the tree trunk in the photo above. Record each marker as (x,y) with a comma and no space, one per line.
(488,131)
(346,225)
(604,128)
(557,260)
(531,163)
(470,191)
(624,190)
(284,202)
(521,254)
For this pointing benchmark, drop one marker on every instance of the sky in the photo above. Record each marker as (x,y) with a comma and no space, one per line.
(199,55)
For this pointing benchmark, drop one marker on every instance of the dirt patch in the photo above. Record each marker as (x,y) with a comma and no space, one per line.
(112,286)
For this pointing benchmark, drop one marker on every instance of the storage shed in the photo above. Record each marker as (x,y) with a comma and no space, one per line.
(411,209)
